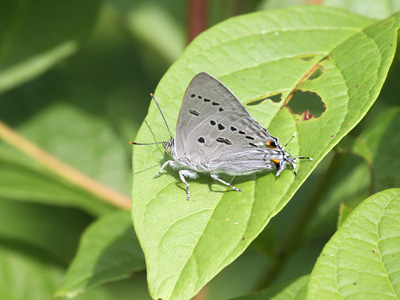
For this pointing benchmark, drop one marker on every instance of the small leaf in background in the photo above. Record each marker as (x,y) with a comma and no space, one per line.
(294,290)
(108,251)
(186,243)
(26,226)
(23,277)
(378,145)
(344,211)
(361,261)
(30,45)
(25,180)
(349,169)
(239,278)
(369,8)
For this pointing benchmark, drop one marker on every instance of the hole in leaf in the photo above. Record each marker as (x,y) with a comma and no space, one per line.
(316,73)
(306,57)
(273,97)
(307,104)
(276,98)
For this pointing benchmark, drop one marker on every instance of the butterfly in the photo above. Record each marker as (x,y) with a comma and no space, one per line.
(215,134)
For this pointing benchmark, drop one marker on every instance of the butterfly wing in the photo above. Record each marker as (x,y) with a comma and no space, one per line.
(204,97)
(232,142)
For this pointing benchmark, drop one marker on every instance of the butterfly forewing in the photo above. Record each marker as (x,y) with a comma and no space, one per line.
(204,97)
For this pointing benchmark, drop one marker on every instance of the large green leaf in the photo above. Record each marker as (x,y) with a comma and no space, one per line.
(37,34)
(108,251)
(186,243)
(361,261)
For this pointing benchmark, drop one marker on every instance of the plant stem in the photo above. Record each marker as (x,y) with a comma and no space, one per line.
(61,169)
(296,236)
(197,18)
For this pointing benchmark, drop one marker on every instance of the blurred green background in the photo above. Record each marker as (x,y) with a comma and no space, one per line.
(75,78)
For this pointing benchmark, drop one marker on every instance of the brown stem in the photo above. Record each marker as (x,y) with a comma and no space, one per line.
(62,169)
(197,18)
(202,295)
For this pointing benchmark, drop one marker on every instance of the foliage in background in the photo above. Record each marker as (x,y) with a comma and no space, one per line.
(74,80)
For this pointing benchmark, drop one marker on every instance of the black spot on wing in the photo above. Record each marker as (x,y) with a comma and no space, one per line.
(194,112)
(224,141)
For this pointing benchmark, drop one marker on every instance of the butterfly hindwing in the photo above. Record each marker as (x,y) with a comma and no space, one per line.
(232,143)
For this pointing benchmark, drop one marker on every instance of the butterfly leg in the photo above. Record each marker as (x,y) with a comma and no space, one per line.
(215,177)
(170,162)
(190,174)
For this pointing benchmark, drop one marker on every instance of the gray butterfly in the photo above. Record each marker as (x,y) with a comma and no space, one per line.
(215,134)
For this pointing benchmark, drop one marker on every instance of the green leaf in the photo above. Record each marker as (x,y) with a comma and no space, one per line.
(27,226)
(378,145)
(296,290)
(108,251)
(350,185)
(25,180)
(152,26)
(30,46)
(186,243)
(94,148)
(239,278)
(22,277)
(361,261)
(368,8)
(344,212)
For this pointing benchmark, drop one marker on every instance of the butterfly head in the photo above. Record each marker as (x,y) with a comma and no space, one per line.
(281,163)
(168,146)
(285,157)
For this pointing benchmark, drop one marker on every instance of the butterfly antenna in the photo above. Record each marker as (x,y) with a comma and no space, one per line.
(145,144)
(294,134)
(166,124)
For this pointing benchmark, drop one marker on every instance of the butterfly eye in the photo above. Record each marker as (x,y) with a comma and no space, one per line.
(271,144)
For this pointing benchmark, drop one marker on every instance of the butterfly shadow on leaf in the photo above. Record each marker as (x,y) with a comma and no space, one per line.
(159,148)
